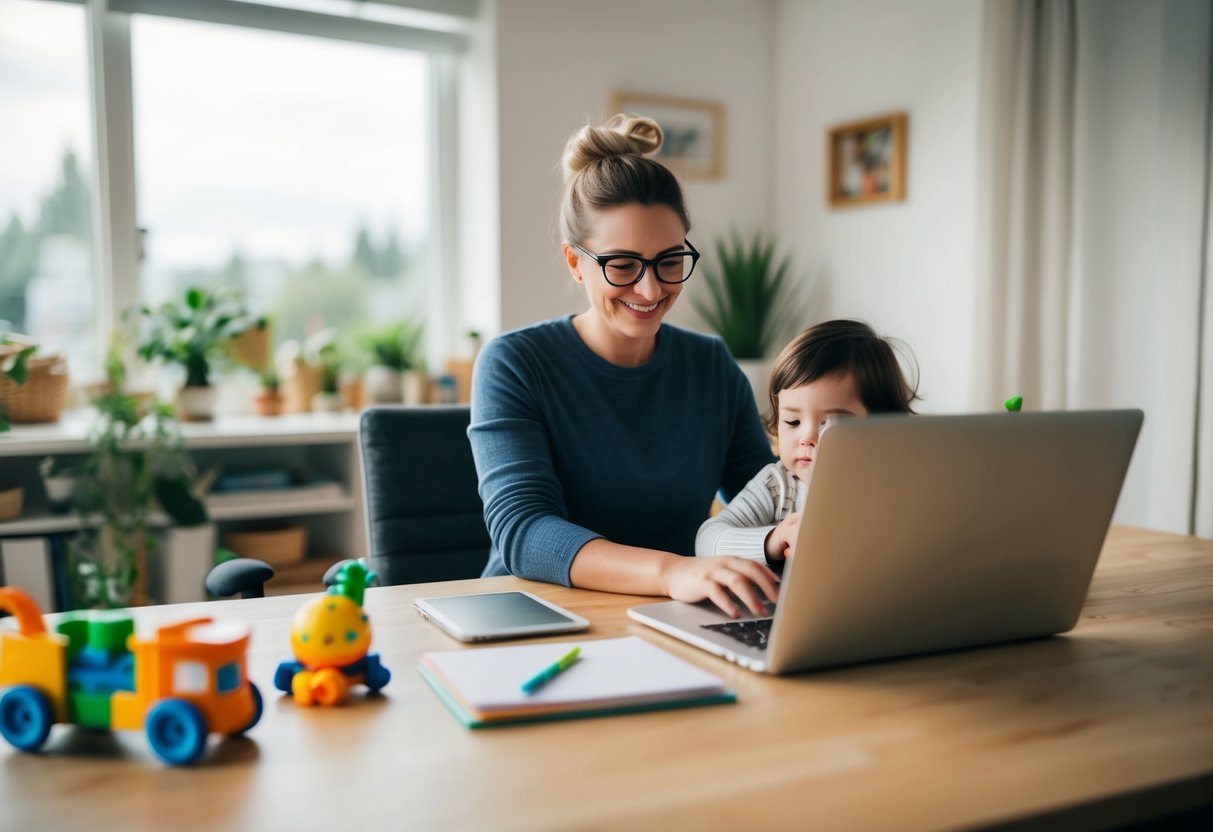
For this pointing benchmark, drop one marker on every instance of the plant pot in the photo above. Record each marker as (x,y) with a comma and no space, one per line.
(383,385)
(326,403)
(267,403)
(758,372)
(415,387)
(301,382)
(352,396)
(59,493)
(251,348)
(196,404)
(42,397)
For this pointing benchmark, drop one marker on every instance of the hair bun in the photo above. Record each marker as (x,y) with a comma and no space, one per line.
(623,135)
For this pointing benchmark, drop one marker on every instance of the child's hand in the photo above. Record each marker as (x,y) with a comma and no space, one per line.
(779,545)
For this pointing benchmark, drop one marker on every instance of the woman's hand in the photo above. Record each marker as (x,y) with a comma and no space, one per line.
(781,540)
(694,579)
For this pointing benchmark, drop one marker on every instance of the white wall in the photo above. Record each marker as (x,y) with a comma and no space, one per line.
(906,268)
(558,63)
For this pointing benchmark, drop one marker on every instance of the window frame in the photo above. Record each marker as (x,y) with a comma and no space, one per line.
(117,256)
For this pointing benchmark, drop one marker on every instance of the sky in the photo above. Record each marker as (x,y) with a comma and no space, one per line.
(277,144)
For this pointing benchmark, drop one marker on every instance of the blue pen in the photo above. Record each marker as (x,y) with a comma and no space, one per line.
(535,682)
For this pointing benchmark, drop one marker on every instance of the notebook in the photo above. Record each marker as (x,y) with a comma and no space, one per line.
(483,687)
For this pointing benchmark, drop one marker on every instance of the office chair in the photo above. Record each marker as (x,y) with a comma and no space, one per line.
(424,515)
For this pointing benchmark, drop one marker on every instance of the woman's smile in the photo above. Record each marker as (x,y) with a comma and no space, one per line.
(642,311)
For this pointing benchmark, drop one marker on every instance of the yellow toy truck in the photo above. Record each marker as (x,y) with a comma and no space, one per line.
(188,681)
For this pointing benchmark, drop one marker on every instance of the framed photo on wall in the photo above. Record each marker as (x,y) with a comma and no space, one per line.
(866,161)
(694,131)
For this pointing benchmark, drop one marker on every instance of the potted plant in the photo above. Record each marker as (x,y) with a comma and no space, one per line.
(32,388)
(268,401)
(59,480)
(322,349)
(135,465)
(14,369)
(194,334)
(750,301)
(393,350)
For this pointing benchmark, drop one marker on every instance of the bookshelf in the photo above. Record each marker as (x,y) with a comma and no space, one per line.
(324,446)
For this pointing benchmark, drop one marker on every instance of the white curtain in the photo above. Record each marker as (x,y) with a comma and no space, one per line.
(1093,269)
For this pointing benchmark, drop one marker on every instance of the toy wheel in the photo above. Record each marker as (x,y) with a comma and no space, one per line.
(25,717)
(177,732)
(258,707)
(377,676)
(284,674)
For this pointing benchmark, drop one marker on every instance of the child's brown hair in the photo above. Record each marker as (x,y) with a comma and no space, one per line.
(837,347)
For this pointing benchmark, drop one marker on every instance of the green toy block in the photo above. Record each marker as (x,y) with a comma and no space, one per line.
(1014,404)
(75,627)
(91,710)
(109,631)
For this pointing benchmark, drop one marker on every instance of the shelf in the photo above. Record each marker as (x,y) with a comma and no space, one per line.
(38,519)
(327,505)
(321,448)
(70,434)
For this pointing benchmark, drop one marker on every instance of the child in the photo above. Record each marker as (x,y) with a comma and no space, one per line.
(832,370)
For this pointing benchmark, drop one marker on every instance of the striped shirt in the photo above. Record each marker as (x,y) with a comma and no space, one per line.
(741,529)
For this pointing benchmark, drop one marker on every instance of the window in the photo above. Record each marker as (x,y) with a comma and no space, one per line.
(294,168)
(190,677)
(294,148)
(46,162)
(227,678)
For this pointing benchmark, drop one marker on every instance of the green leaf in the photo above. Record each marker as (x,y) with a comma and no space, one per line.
(750,298)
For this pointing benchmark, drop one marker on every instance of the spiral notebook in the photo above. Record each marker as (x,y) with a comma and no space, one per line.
(483,687)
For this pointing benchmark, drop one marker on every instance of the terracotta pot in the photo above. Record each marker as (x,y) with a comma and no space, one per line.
(251,348)
(300,385)
(267,403)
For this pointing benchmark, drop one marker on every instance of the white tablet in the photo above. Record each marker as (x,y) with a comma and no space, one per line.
(493,615)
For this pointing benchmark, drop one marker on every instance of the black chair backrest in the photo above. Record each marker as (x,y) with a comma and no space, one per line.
(424,513)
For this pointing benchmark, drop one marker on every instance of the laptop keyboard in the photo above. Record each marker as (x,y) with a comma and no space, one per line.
(752,633)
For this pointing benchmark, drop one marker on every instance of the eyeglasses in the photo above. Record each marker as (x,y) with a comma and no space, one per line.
(628,269)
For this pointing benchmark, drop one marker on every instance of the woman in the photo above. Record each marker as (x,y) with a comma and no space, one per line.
(600,439)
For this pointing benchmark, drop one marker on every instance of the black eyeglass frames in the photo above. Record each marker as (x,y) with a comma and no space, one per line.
(627,269)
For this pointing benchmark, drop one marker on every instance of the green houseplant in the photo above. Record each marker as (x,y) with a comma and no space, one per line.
(268,401)
(135,465)
(14,366)
(750,297)
(321,351)
(394,350)
(195,334)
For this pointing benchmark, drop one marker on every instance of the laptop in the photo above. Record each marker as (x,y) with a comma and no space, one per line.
(929,533)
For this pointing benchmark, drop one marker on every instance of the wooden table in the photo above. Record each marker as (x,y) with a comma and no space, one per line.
(1109,724)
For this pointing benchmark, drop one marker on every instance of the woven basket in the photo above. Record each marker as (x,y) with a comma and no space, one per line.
(282,546)
(42,396)
(10,502)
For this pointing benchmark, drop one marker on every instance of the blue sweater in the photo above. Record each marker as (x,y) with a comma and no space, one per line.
(570,447)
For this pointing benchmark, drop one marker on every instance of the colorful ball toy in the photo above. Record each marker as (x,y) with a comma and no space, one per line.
(330,637)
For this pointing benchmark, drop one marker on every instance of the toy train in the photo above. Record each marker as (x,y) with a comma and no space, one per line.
(188,681)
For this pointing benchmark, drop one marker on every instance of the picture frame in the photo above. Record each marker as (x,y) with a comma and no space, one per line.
(694,131)
(866,161)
